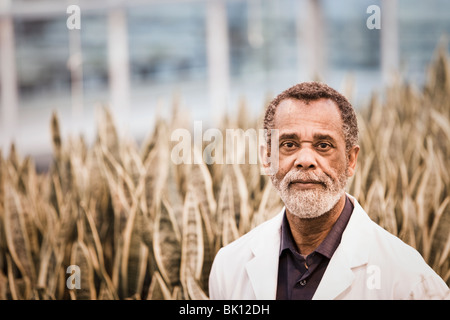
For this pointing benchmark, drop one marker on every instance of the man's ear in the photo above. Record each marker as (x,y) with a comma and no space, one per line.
(265,159)
(352,159)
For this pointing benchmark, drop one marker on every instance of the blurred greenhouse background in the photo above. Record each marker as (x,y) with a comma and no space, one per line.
(140,226)
(138,56)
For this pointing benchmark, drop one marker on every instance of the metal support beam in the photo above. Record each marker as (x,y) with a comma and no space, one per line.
(310,33)
(8,76)
(118,63)
(218,56)
(389,40)
(75,65)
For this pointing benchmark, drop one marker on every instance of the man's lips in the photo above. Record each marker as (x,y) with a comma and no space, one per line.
(306,181)
(306,184)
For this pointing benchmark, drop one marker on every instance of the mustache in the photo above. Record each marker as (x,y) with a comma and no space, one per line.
(307,176)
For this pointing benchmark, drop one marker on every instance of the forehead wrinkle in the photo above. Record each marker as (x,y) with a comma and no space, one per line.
(322,135)
(294,114)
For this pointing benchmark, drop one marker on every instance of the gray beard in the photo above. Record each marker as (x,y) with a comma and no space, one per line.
(311,203)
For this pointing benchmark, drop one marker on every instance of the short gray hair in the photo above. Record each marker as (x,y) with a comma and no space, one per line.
(311,91)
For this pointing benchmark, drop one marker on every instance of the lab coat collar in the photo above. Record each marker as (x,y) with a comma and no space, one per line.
(352,252)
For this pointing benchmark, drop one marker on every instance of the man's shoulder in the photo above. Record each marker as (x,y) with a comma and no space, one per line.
(406,268)
(403,271)
(392,246)
(229,266)
(388,245)
(243,244)
(399,262)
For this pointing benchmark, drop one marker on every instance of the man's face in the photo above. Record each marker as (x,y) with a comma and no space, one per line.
(313,163)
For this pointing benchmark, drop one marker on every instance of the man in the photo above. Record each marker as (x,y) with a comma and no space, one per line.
(322,245)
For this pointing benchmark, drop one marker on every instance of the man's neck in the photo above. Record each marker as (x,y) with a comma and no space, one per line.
(309,233)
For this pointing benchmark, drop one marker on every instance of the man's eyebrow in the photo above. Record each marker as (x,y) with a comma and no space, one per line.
(316,136)
(287,136)
(322,136)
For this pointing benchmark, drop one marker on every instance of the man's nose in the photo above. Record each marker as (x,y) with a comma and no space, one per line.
(306,159)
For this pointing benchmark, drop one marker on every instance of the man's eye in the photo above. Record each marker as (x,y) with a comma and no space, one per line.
(324,146)
(288,145)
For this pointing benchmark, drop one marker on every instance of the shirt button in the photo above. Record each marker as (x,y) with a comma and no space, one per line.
(302,283)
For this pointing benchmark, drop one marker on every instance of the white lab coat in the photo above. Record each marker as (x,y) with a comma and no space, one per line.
(369,263)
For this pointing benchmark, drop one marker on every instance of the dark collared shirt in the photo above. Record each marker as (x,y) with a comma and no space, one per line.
(299,276)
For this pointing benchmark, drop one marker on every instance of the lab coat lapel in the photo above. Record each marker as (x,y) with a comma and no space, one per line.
(351,253)
(338,277)
(262,269)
